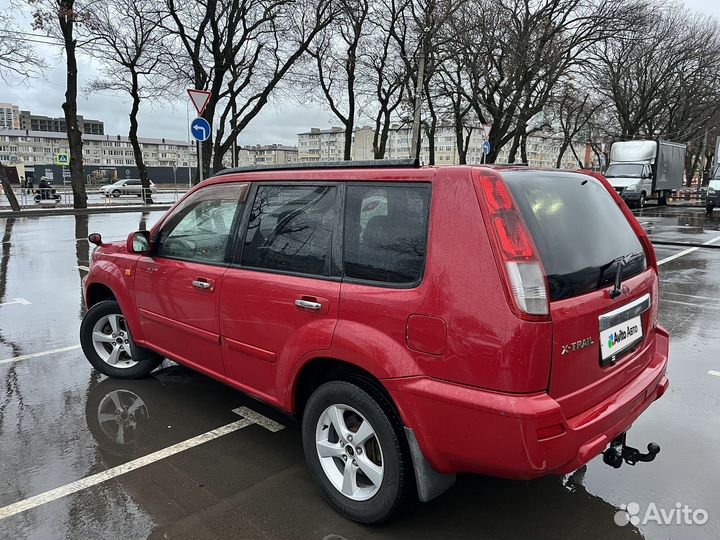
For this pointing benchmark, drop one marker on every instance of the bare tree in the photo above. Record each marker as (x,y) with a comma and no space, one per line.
(240,50)
(128,45)
(62,20)
(663,79)
(385,68)
(573,113)
(516,52)
(336,53)
(18,60)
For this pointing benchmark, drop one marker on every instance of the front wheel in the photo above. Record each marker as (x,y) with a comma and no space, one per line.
(116,193)
(709,209)
(641,202)
(354,452)
(106,341)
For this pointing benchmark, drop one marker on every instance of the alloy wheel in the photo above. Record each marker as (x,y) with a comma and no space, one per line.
(349,452)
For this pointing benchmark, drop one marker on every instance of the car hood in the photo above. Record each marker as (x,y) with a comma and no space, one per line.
(108,186)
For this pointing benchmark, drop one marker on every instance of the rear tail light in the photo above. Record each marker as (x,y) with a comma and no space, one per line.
(526,285)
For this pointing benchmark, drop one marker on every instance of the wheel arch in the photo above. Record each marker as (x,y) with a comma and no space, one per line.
(106,283)
(317,371)
(98,292)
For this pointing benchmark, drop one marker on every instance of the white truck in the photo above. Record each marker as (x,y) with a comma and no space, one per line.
(639,170)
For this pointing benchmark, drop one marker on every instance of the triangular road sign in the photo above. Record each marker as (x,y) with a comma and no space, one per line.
(199,99)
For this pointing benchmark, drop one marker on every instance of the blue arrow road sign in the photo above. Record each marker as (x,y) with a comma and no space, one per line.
(486,147)
(200,129)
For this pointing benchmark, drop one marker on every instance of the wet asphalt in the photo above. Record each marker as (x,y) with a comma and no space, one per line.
(59,423)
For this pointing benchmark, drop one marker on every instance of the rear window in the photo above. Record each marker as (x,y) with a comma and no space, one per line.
(578,229)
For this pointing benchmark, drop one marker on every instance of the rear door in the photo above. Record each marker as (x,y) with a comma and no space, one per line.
(279,300)
(601,340)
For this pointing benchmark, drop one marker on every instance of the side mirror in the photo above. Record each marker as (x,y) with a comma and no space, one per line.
(95,238)
(138,242)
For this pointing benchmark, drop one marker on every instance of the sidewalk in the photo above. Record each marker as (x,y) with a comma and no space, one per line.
(68,211)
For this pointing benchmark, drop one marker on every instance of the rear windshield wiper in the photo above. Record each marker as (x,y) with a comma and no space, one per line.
(621,262)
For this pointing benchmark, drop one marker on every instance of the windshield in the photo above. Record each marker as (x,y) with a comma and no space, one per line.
(715,184)
(628,170)
(580,232)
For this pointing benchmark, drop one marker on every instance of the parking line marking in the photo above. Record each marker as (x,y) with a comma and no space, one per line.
(257,418)
(37,354)
(686,251)
(20,301)
(716,373)
(95,479)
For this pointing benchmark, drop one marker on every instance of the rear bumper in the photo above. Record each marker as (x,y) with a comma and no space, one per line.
(465,429)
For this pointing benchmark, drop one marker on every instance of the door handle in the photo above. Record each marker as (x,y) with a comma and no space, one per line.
(200,284)
(307,304)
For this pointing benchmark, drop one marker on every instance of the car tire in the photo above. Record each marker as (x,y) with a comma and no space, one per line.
(641,202)
(105,339)
(116,193)
(381,454)
(709,209)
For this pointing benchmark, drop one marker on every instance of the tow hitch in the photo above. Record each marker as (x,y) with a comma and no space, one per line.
(619,451)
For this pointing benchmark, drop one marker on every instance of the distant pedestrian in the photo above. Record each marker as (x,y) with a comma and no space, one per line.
(29,186)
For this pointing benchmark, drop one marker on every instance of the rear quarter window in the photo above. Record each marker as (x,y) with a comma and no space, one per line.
(578,230)
(386,232)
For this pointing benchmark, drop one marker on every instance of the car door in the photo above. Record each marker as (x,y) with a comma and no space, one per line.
(279,300)
(177,287)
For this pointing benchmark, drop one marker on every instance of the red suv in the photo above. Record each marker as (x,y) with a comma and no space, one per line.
(421,321)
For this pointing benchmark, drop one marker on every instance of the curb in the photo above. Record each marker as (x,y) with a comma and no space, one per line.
(83,211)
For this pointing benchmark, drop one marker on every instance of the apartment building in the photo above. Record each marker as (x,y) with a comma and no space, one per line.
(37,122)
(40,148)
(9,116)
(329,144)
(272,154)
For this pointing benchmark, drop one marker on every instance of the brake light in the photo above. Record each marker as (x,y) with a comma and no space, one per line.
(524,275)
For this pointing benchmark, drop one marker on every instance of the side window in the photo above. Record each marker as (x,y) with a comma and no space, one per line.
(386,232)
(199,229)
(291,229)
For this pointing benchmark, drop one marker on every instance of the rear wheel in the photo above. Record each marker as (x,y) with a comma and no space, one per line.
(106,341)
(354,452)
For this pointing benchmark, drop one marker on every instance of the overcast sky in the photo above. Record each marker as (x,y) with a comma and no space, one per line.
(278,123)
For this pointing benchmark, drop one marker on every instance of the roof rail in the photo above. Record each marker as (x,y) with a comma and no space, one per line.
(365,164)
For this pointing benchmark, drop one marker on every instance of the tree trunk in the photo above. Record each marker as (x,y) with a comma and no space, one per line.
(514,148)
(523,148)
(347,150)
(77,180)
(133,136)
(350,119)
(381,135)
(561,153)
(7,189)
